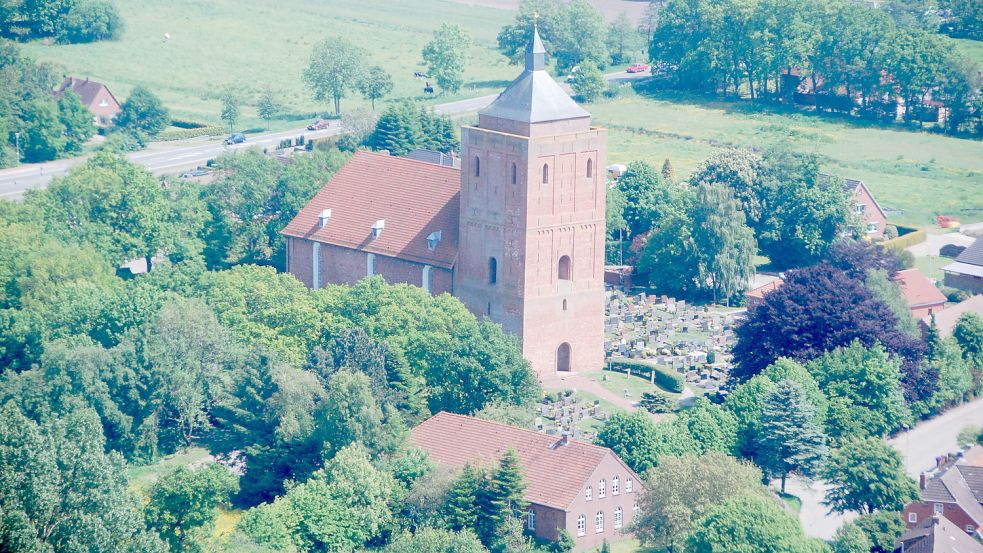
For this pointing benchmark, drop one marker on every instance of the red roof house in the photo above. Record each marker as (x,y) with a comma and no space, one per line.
(945,320)
(923,297)
(757,295)
(583,488)
(872,216)
(937,535)
(95,96)
(955,494)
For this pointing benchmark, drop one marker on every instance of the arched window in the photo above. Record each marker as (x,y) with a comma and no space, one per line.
(477,166)
(602,488)
(616,486)
(599,522)
(590,168)
(628,484)
(492,271)
(563,364)
(619,516)
(564,305)
(634,509)
(515,174)
(546,173)
(563,268)
(581,525)
(531,520)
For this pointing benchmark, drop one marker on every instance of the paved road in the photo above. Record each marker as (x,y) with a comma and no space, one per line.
(929,439)
(163,158)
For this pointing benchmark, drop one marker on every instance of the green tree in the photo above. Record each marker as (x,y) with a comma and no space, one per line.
(77,121)
(435,540)
(375,84)
(367,494)
(334,70)
(143,112)
(723,240)
(91,21)
(668,173)
(183,504)
(850,538)
(461,508)
(43,137)
(500,499)
(642,443)
(680,491)
(579,35)
(230,107)
(883,528)
(750,524)
(711,427)
(446,55)
(888,291)
(789,441)
(268,107)
(650,199)
(624,41)
(968,333)
(867,475)
(397,131)
(350,414)
(306,518)
(588,82)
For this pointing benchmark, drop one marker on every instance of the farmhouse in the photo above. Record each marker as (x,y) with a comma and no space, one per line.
(966,272)
(872,217)
(570,485)
(955,495)
(945,320)
(516,232)
(95,96)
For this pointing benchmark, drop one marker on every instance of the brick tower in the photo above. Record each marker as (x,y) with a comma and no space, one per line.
(532,220)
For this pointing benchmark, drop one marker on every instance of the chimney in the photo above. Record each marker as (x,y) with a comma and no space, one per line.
(377,228)
(323,218)
(922,481)
(565,437)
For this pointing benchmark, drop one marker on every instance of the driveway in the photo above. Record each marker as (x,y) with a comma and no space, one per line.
(934,242)
(814,516)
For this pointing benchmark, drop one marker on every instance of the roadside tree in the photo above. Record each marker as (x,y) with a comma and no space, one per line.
(375,84)
(867,475)
(334,70)
(446,55)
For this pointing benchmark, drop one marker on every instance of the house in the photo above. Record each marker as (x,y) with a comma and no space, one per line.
(570,485)
(937,534)
(946,319)
(516,231)
(872,217)
(966,272)
(923,297)
(954,494)
(756,296)
(95,96)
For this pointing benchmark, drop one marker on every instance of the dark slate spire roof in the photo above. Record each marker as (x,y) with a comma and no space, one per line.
(534,97)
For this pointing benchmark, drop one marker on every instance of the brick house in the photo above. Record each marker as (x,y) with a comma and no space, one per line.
(516,233)
(955,494)
(937,534)
(872,217)
(95,96)
(582,488)
(923,297)
(966,272)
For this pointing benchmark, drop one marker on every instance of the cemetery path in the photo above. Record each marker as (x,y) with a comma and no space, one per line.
(585,383)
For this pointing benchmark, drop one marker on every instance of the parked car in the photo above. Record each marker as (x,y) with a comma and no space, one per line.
(236,138)
(638,68)
(319,125)
(195,173)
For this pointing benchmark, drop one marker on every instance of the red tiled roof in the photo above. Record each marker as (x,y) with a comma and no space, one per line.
(554,474)
(85,89)
(917,289)
(760,291)
(414,198)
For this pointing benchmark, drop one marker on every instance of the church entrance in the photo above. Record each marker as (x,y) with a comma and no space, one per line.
(563,357)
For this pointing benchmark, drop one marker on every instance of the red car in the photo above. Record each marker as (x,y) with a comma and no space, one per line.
(319,125)
(638,68)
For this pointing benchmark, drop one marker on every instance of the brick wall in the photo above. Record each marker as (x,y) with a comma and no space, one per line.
(964,282)
(924,510)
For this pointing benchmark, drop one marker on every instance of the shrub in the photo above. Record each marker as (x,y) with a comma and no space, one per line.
(90,21)
(890,232)
(185,133)
(954,294)
(907,259)
(951,250)
(667,379)
(655,402)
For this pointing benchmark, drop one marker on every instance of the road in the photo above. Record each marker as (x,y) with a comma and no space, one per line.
(929,439)
(162,157)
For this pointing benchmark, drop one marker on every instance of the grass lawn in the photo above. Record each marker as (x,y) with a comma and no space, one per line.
(792,501)
(636,384)
(143,477)
(915,175)
(972,49)
(932,265)
(249,44)
(591,424)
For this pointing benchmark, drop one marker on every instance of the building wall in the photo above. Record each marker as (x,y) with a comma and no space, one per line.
(608,469)
(104,113)
(871,213)
(926,310)
(340,265)
(549,521)
(964,282)
(924,510)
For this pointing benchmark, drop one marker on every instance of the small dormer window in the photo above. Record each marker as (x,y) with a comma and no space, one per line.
(433,239)
(377,228)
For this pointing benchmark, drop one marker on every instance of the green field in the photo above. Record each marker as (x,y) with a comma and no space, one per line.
(914,175)
(250,44)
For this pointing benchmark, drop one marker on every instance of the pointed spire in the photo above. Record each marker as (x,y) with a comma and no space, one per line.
(535,52)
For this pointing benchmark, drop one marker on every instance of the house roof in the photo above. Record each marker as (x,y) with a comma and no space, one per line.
(852,185)
(554,474)
(917,290)
(85,88)
(964,269)
(960,484)
(938,535)
(534,97)
(760,291)
(973,255)
(946,319)
(413,198)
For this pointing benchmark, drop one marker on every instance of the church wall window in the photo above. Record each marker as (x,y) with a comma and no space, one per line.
(477,166)
(546,173)
(590,168)
(492,271)
(563,268)
(515,174)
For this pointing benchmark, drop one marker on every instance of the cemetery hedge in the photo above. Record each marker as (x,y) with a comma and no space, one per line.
(666,379)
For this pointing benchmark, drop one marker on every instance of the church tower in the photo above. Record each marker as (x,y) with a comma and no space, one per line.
(531,253)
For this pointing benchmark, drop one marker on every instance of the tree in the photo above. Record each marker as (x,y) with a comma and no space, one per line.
(668,173)
(334,70)
(850,538)
(968,333)
(397,131)
(642,443)
(43,137)
(883,528)
(60,490)
(366,494)
(789,441)
(681,490)
(230,107)
(434,540)
(376,84)
(461,508)
(650,199)
(500,499)
(182,504)
(867,475)
(77,121)
(349,414)
(578,35)
(91,21)
(724,241)
(268,107)
(588,82)
(624,41)
(307,518)
(711,427)
(888,291)
(750,524)
(446,55)
(143,112)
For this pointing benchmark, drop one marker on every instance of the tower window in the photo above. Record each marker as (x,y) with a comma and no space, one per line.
(546,173)
(564,305)
(515,174)
(590,168)
(563,268)
(477,166)
(492,271)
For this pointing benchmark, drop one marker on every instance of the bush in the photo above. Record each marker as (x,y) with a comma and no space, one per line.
(907,259)
(890,232)
(954,295)
(90,21)
(183,134)
(667,379)
(655,402)
(124,141)
(951,250)
(907,236)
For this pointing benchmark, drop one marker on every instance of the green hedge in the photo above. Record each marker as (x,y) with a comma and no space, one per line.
(184,134)
(184,124)
(667,379)
(907,236)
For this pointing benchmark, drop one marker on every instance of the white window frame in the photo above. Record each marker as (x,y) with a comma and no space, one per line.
(634,509)
(629,483)
(369,264)
(316,266)
(861,209)
(599,522)
(912,518)
(970,528)
(582,525)
(531,520)
(938,508)
(103,103)
(427,271)
(619,518)
(615,486)
(602,488)
(588,493)
(872,226)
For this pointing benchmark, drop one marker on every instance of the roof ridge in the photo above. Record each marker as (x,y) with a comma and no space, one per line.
(407,159)
(539,435)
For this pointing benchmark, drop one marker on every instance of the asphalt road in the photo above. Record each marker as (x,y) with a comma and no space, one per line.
(931,438)
(164,158)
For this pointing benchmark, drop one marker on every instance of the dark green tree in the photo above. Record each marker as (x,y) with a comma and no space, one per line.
(789,440)
(751,524)
(43,137)
(143,112)
(968,333)
(867,475)
(397,131)
(461,509)
(651,201)
(90,21)
(183,504)
(588,82)
(500,499)
(77,121)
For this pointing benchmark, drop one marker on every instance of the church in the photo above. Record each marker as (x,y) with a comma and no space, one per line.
(516,233)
